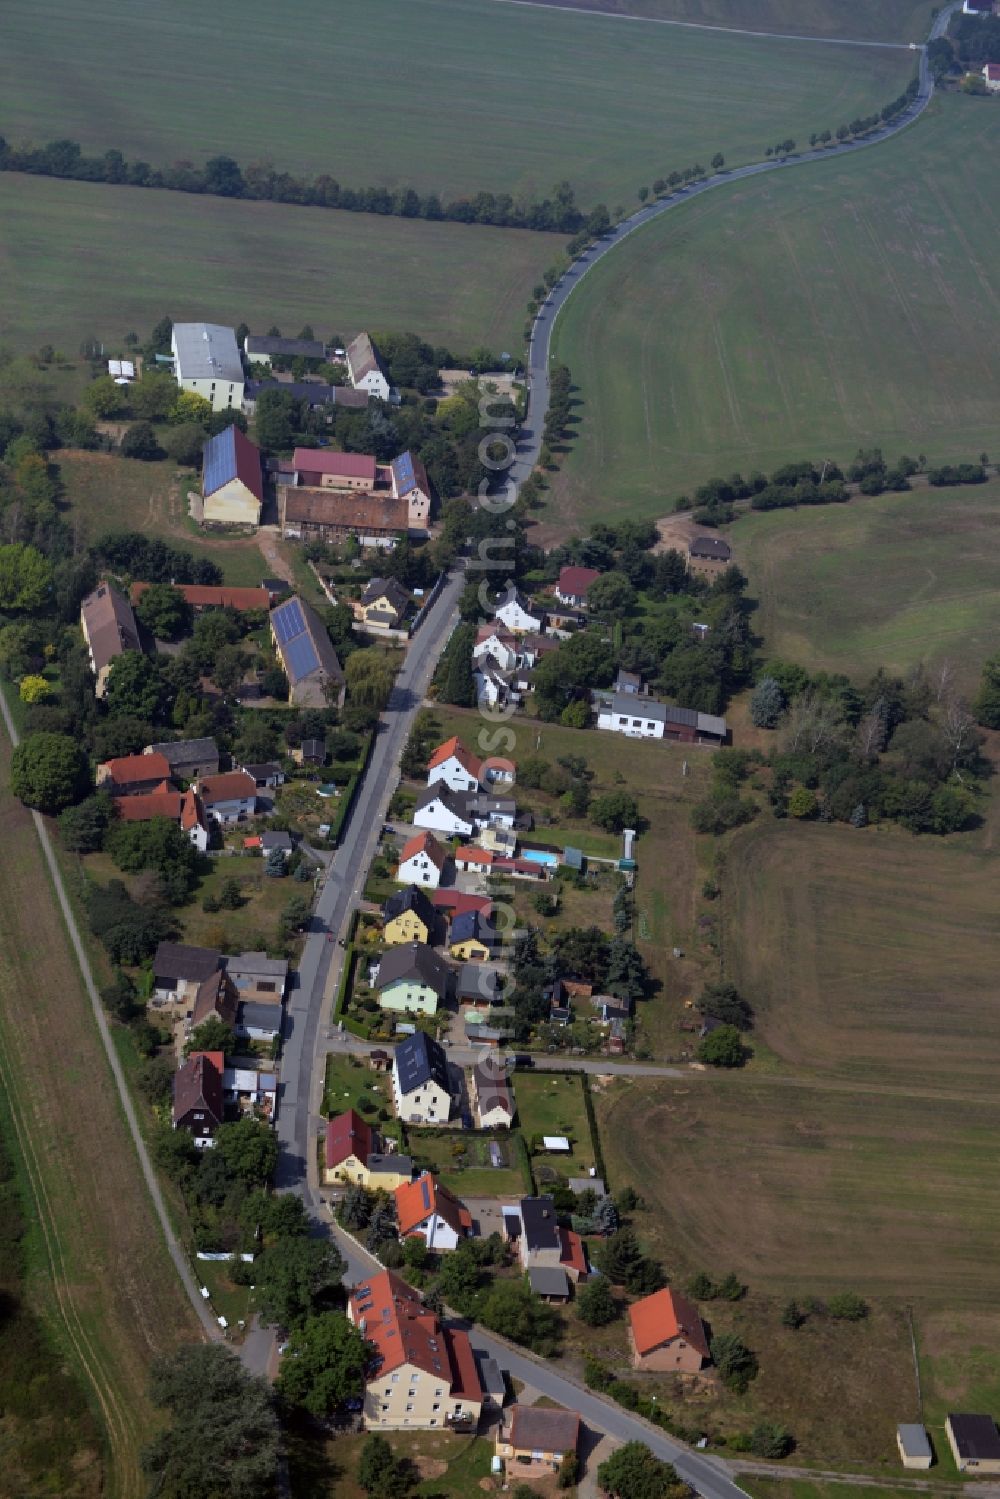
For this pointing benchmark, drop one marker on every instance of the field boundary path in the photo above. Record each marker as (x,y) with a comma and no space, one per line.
(773,36)
(542,329)
(174,1247)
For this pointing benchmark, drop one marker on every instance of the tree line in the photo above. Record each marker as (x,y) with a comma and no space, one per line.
(223,177)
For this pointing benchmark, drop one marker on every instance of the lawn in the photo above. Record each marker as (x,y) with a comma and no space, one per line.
(552,1104)
(462,1160)
(105,492)
(892,581)
(449,1466)
(869,956)
(81,260)
(801,315)
(510,99)
(98,1268)
(346,1084)
(888,20)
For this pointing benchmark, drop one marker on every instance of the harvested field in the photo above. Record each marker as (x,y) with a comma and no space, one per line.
(869,955)
(99,1270)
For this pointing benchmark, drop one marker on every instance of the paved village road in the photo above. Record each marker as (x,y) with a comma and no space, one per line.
(322,958)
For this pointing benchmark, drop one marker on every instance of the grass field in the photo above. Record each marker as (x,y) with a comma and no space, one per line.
(451,96)
(469,1174)
(98,1268)
(884,20)
(890,581)
(798,316)
(554,1105)
(80,260)
(887,947)
(449,1466)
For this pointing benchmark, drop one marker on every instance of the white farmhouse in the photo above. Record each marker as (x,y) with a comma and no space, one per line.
(364,365)
(518,613)
(442,811)
(207,362)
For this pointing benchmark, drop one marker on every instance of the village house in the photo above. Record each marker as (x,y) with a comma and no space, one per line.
(383,605)
(366,370)
(187,759)
(232,486)
(573,585)
(974,1443)
(207,361)
(491,1096)
(215,996)
(411,977)
(410,483)
(202,596)
(132,775)
(179,971)
(267,776)
(422,862)
(454,766)
(493,688)
(485,810)
(327,468)
(258,1022)
(497,644)
(250,1092)
(646,718)
(261,348)
(708,555)
(318,396)
(550,1284)
(518,613)
(425,1374)
(479,984)
(109,628)
(408,916)
(443,811)
(533,1440)
(353,1148)
(665,1333)
(199,1107)
(308,659)
(472,938)
(425,1209)
(258,978)
(230,797)
(541,1239)
(421,1089)
(991,77)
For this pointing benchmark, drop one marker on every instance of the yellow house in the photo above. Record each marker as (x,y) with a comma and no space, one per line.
(472,950)
(471,937)
(409,917)
(383,604)
(533,1441)
(349,1143)
(232,487)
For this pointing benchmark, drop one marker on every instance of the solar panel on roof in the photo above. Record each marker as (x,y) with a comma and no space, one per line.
(425,1193)
(300,657)
(405,476)
(288,621)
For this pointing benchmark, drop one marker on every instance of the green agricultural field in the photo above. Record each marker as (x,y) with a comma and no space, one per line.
(80,260)
(452,96)
(802,315)
(891,581)
(862,20)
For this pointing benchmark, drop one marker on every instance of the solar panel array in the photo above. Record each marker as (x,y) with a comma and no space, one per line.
(300,657)
(405,477)
(219,460)
(288,621)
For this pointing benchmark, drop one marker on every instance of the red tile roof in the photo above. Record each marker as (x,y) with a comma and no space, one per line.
(575,581)
(232,785)
(416,1201)
(465,1381)
(391,1315)
(482,856)
(130,769)
(424,843)
(248,464)
(454,748)
(162,803)
(198,1084)
(457,901)
(341,465)
(201,596)
(664,1316)
(192,812)
(573,1253)
(347,1135)
(992,72)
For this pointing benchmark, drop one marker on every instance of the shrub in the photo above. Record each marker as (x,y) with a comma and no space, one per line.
(847,1306)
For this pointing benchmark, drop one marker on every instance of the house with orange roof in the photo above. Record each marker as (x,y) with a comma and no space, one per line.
(422,862)
(133,775)
(425,1209)
(666,1334)
(424,1374)
(193,820)
(456,766)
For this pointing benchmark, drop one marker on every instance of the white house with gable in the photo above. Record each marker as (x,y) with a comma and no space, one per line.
(518,613)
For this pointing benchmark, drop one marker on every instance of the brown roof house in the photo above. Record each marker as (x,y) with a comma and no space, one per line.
(533,1441)
(180,970)
(974,1443)
(666,1333)
(198,1101)
(109,629)
(708,555)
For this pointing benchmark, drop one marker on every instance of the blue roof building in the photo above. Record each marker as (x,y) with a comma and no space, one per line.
(308,659)
(231,485)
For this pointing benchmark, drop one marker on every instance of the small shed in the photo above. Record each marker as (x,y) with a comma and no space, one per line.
(558,1144)
(549,1282)
(914,1445)
(572,858)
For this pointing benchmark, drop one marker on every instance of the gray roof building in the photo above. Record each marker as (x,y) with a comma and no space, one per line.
(479,982)
(549,1281)
(188,757)
(176,960)
(540,1225)
(411,899)
(253,1018)
(413,960)
(256,345)
(389,1165)
(419,1060)
(206,351)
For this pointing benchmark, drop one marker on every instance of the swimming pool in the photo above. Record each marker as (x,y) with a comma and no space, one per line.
(540,856)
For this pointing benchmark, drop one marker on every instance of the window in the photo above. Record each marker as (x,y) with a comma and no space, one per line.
(409,1407)
(435,1407)
(395,1379)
